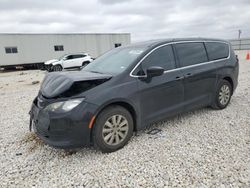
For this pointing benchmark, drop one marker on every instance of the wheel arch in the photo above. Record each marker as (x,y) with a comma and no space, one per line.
(85,62)
(125,104)
(230,80)
(57,63)
(128,107)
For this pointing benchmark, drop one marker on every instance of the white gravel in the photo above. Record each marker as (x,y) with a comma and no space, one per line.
(203,148)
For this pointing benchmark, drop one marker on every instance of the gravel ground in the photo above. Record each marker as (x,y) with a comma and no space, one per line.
(203,148)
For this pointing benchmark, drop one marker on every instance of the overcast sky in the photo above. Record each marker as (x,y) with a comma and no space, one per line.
(144,19)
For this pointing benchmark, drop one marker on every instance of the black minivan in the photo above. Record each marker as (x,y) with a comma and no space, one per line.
(130,87)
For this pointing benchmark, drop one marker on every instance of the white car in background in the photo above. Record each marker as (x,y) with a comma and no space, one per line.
(68,61)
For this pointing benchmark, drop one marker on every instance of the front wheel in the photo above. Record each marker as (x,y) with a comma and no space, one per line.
(223,95)
(113,129)
(57,68)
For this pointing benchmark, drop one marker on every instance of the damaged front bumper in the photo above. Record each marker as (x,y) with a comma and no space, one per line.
(63,130)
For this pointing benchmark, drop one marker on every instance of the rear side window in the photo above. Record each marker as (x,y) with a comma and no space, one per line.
(217,50)
(81,56)
(78,56)
(161,57)
(191,53)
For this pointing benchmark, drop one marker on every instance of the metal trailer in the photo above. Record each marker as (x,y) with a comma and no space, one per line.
(32,50)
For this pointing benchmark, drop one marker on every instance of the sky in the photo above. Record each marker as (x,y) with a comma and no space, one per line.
(144,19)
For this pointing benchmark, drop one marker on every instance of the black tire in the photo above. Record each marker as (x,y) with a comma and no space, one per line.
(57,68)
(217,101)
(100,126)
(85,63)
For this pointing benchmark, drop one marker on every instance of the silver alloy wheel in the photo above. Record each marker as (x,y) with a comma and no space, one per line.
(115,130)
(224,94)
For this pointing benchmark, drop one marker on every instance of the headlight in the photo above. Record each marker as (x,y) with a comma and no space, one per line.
(64,106)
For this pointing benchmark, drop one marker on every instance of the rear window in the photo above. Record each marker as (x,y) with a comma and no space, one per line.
(191,53)
(217,50)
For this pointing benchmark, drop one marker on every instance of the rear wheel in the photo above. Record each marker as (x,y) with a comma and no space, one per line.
(85,63)
(113,129)
(57,68)
(223,95)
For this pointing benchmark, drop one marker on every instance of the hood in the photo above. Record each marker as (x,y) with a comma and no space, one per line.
(50,61)
(70,83)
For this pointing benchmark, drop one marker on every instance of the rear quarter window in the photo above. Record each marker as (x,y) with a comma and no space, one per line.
(217,50)
(191,53)
(78,56)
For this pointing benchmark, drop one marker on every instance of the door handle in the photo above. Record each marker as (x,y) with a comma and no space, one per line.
(179,78)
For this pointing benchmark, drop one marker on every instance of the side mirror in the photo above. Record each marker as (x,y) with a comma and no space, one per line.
(154,71)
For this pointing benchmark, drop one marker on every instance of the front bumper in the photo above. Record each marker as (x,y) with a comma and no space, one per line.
(64,130)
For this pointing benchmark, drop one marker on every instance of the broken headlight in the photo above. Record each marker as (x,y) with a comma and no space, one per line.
(64,106)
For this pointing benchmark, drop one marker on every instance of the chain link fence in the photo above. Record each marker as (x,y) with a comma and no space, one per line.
(241,44)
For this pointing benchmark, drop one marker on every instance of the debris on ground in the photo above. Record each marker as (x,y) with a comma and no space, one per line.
(154,131)
(35,82)
(22,73)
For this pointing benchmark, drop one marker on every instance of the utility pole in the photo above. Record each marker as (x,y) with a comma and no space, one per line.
(239,38)
(239,33)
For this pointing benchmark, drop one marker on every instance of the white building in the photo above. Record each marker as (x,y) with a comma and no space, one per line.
(24,49)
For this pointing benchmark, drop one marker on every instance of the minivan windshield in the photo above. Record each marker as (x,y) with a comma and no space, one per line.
(115,61)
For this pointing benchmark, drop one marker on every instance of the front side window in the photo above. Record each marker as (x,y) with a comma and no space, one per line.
(191,53)
(11,50)
(217,50)
(69,57)
(115,61)
(161,57)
